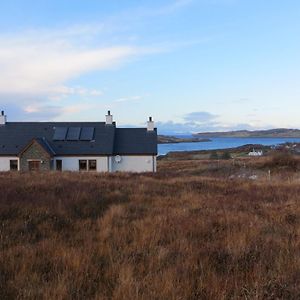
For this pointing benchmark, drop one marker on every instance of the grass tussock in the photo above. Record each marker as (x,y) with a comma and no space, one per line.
(283,161)
(89,236)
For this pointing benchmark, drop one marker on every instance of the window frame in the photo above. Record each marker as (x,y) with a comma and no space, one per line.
(10,165)
(86,165)
(89,166)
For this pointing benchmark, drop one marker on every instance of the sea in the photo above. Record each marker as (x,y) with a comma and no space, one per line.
(222,143)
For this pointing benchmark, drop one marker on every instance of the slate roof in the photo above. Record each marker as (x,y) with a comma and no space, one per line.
(45,145)
(135,141)
(108,140)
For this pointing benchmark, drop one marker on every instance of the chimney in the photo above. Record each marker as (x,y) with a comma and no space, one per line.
(109,118)
(150,124)
(2,118)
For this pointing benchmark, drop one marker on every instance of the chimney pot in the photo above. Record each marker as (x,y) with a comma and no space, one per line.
(108,118)
(2,118)
(150,124)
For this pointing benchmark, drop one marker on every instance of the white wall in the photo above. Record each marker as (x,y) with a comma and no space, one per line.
(134,163)
(4,163)
(129,163)
(72,163)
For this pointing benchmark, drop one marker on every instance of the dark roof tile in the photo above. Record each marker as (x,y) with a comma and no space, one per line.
(108,140)
(135,141)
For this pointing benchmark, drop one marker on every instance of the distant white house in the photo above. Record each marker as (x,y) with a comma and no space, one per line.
(255,153)
(77,146)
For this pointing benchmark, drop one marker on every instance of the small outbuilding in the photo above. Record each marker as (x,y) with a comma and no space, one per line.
(256,153)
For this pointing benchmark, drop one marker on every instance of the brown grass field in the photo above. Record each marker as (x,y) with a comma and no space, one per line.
(187,232)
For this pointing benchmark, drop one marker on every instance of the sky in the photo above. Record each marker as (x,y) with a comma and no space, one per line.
(193,65)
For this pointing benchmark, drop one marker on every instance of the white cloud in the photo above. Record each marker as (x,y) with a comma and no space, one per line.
(37,65)
(201,121)
(199,117)
(40,62)
(43,68)
(128,99)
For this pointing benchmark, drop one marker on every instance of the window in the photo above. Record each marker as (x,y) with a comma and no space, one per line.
(82,165)
(92,165)
(58,165)
(87,165)
(13,164)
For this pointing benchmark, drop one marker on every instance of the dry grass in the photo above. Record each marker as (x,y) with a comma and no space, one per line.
(168,236)
(283,161)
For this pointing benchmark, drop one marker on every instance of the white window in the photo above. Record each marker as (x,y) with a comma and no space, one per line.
(87,165)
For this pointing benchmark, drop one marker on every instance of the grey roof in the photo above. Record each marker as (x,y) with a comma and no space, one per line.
(44,143)
(135,141)
(108,140)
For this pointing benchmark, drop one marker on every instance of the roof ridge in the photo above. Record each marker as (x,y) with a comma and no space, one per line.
(45,141)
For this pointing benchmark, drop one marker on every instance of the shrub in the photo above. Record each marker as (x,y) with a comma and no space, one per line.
(283,159)
(226,155)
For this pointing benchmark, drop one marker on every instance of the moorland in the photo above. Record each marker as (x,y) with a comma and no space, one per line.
(197,229)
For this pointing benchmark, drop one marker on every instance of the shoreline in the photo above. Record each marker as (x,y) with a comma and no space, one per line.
(170,139)
(239,151)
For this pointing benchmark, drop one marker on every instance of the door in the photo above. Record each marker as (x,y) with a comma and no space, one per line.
(58,165)
(34,165)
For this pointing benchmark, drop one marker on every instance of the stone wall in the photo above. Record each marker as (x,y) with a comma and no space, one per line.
(35,152)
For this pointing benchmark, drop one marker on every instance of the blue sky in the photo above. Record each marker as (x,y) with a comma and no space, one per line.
(194,65)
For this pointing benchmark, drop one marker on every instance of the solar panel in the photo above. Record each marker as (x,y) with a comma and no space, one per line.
(73,133)
(60,133)
(87,133)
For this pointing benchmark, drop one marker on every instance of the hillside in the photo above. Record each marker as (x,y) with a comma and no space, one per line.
(271,133)
(168,139)
(187,232)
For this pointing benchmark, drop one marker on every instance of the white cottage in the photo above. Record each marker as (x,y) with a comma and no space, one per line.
(255,153)
(77,146)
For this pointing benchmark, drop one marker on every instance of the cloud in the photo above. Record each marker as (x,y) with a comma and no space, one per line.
(128,99)
(43,68)
(192,122)
(62,92)
(199,117)
(171,127)
(37,66)
(199,121)
(32,112)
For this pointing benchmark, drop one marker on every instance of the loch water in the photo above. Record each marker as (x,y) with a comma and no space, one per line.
(222,143)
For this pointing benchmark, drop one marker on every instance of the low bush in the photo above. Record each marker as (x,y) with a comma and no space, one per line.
(283,159)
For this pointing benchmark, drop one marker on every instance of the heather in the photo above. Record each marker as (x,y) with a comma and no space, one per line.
(191,231)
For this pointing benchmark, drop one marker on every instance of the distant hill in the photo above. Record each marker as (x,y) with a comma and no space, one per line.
(167,139)
(271,133)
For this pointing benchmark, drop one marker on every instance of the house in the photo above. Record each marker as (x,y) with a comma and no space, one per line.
(77,146)
(255,153)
